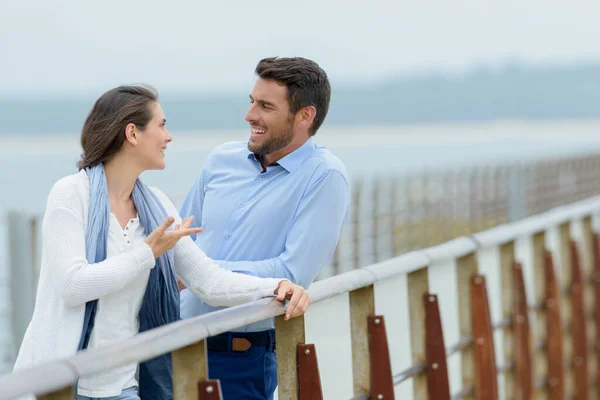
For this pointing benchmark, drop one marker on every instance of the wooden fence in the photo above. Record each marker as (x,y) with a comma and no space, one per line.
(508,313)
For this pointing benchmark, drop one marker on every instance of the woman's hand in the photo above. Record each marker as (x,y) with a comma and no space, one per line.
(160,240)
(296,294)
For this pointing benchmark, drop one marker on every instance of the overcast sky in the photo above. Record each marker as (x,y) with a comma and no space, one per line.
(73,46)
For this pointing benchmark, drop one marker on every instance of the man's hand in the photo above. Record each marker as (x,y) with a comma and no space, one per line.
(296,294)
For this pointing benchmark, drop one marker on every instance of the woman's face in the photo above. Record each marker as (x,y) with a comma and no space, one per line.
(152,141)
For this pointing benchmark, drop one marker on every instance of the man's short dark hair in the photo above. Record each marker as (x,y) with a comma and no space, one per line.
(306,82)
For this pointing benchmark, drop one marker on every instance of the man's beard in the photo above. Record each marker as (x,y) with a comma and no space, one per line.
(275,142)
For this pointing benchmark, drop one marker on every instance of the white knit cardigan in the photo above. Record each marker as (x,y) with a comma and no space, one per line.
(67,280)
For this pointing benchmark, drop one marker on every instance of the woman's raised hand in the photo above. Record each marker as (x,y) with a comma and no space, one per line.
(161,240)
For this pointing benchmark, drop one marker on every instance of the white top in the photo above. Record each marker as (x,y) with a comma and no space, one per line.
(117,314)
(67,281)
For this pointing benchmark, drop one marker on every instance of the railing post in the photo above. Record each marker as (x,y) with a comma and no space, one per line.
(382,382)
(288,335)
(190,367)
(564,285)
(540,333)
(507,258)
(438,386)
(596,280)
(466,267)
(486,377)
(362,306)
(554,327)
(309,379)
(578,324)
(418,285)
(67,393)
(523,389)
(590,306)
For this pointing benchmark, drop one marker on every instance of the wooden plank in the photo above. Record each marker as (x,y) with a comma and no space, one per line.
(288,335)
(596,280)
(190,366)
(309,379)
(466,267)
(563,282)
(538,323)
(587,251)
(418,285)
(382,381)
(486,376)
(209,390)
(67,393)
(507,259)
(554,343)
(362,306)
(578,328)
(522,338)
(438,386)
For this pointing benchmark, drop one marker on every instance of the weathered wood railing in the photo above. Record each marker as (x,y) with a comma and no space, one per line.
(506,313)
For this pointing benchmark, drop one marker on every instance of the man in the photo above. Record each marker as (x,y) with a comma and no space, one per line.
(271,207)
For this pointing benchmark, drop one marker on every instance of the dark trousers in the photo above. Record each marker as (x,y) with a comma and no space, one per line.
(244,375)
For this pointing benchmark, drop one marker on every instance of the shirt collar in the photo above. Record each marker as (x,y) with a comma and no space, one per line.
(292,161)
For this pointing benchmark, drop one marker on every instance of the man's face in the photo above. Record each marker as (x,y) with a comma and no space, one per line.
(271,123)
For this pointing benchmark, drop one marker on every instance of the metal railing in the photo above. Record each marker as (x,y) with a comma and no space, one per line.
(487,342)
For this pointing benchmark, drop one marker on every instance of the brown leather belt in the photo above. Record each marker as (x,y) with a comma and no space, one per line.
(240,342)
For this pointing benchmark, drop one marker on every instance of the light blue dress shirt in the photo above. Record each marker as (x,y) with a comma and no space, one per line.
(284,222)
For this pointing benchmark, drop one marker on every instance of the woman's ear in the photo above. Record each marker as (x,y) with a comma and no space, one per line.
(131,134)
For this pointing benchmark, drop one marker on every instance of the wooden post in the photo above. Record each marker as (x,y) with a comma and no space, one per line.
(486,377)
(540,333)
(578,335)
(418,285)
(466,267)
(362,306)
(382,380)
(507,259)
(596,280)
(288,335)
(564,283)
(190,366)
(554,347)
(587,250)
(309,379)
(67,393)
(522,338)
(438,386)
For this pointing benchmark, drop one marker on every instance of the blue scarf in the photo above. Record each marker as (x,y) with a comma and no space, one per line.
(161,299)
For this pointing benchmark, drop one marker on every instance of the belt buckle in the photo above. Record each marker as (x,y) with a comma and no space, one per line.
(240,344)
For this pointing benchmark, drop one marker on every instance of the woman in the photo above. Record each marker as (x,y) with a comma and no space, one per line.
(110,257)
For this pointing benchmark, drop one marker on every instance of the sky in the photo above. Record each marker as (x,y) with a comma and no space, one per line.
(69,47)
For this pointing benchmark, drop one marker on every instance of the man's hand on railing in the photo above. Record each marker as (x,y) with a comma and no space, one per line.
(296,294)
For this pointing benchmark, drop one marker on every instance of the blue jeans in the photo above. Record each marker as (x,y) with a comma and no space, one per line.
(127,394)
(248,375)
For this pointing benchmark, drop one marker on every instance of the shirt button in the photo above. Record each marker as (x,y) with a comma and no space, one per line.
(127,227)
(132,221)
(262,177)
(128,241)
(243,205)
(228,236)
(124,234)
